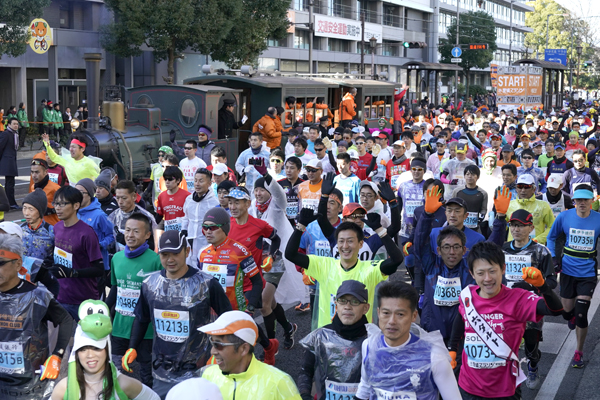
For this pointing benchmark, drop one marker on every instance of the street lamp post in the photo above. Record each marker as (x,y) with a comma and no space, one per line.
(579,49)
(457,32)
(373,45)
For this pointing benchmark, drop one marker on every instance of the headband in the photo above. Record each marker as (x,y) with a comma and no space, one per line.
(418,163)
(10,255)
(335,197)
(79,143)
(204,130)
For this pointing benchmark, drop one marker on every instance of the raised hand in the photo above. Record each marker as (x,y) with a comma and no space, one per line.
(327,186)
(433,200)
(502,200)
(386,192)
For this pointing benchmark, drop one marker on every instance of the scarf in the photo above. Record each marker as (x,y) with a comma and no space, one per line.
(137,252)
(399,160)
(42,184)
(203,143)
(350,332)
(263,207)
(197,198)
(15,137)
(256,151)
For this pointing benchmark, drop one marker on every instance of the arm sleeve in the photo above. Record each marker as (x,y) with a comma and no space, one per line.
(275,244)
(422,245)
(332,161)
(473,140)
(483,209)
(254,295)
(4,204)
(291,250)
(60,317)
(307,373)
(395,256)
(458,333)
(55,157)
(96,270)
(550,304)
(111,299)
(324,223)
(394,227)
(547,268)
(218,299)
(443,376)
(371,166)
(176,149)
(141,321)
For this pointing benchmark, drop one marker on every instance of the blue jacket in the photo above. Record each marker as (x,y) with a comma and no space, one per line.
(94,216)
(39,243)
(435,317)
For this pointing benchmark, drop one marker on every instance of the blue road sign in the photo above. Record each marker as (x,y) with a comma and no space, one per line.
(456,52)
(556,55)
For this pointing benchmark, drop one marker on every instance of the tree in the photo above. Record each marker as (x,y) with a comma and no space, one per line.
(475,27)
(558,36)
(260,19)
(16,16)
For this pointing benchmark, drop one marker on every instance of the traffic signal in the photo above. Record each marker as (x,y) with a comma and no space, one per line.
(414,45)
(587,64)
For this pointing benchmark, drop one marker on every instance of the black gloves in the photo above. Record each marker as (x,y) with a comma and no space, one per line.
(373,221)
(306,216)
(61,272)
(386,192)
(327,185)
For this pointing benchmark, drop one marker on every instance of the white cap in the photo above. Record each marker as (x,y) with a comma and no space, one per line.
(195,389)
(372,185)
(236,323)
(399,143)
(219,169)
(526,179)
(315,163)
(531,129)
(11,228)
(375,134)
(353,154)
(554,181)
(81,339)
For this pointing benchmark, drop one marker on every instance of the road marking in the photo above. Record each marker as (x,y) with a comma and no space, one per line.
(563,360)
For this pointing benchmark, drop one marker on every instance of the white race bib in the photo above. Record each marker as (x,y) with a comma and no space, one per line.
(313,204)
(291,211)
(53,177)
(514,266)
(472,220)
(340,391)
(62,257)
(447,291)
(394,181)
(398,395)
(126,301)
(410,207)
(12,360)
(322,248)
(172,326)
(219,272)
(581,239)
(173,224)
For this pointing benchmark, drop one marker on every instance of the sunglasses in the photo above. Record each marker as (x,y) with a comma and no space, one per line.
(360,143)
(321,149)
(211,228)
(220,345)
(527,158)
(188,148)
(161,154)
(311,170)
(524,186)
(355,216)
(2,263)
(277,160)
(417,169)
(171,178)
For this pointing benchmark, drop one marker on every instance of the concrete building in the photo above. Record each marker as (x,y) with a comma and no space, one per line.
(500,10)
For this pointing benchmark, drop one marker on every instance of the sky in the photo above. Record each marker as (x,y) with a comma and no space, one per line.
(585,8)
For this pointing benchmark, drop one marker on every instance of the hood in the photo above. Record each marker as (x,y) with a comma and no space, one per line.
(93,207)
(526,202)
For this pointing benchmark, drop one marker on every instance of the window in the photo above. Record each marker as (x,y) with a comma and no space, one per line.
(301,39)
(189,113)
(271,64)
(65,15)
(338,45)
(391,15)
(390,48)
(277,43)
(293,66)
(144,101)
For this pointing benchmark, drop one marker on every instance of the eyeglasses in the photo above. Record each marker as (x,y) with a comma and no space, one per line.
(355,216)
(517,225)
(60,204)
(581,160)
(211,228)
(220,345)
(367,195)
(417,169)
(277,160)
(455,247)
(311,170)
(321,149)
(360,143)
(170,178)
(2,263)
(524,186)
(353,302)
(188,148)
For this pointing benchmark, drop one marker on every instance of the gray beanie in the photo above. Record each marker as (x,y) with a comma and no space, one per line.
(103,180)
(38,199)
(89,186)
(218,216)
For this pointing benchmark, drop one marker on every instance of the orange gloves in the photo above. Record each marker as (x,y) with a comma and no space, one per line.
(405,248)
(51,368)
(267,264)
(502,200)
(432,200)
(128,358)
(533,276)
(453,359)
(308,281)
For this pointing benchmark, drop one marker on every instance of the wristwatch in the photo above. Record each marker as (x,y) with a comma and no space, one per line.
(250,308)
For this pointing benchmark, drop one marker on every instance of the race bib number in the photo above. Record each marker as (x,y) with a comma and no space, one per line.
(581,239)
(472,220)
(394,181)
(556,210)
(479,356)
(514,266)
(340,391)
(398,395)
(190,186)
(218,271)
(173,224)
(447,291)
(411,205)
(126,301)
(63,258)
(313,204)
(291,211)
(332,305)
(53,177)
(322,248)
(172,326)
(12,360)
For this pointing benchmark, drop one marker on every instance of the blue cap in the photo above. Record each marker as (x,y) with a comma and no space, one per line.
(583,193)
(559,145)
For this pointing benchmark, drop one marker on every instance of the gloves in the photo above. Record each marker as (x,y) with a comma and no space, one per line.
(51,368)
(128,358)
(327,185)
(432,200)
(172,135)
(557,264)
(327,143)
(533,276)
(308,281)
(260,166)
(386,192)
(306,216)
(454,182)
(120,238)
(373,221)
(375,151)
(405,248)
(260,126)
(184,232)
(61,272)
(248,168)
(267,264)
(453,357)
(502,200)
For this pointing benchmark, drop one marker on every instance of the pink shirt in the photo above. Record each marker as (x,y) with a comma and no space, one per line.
(482,372)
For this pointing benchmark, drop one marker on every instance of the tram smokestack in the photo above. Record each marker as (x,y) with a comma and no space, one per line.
(92,73)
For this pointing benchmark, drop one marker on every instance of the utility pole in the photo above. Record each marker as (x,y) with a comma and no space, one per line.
(362,44)
(457,32)
(510,39)
(310,35)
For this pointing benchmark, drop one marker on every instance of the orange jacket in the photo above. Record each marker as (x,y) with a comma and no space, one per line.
(348,107)
(50,189)
(268,130)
